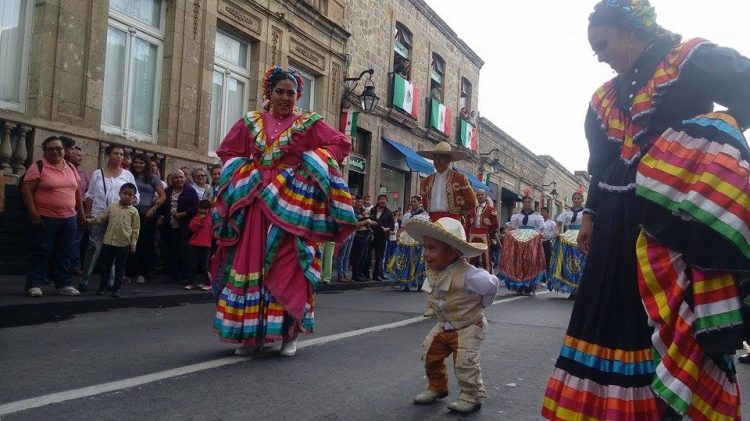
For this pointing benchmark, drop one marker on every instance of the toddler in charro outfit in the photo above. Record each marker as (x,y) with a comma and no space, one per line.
(458,292)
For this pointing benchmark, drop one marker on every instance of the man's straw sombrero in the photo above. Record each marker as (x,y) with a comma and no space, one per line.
(446,230)
(444,148)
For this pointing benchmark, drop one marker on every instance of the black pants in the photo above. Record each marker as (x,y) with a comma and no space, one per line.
(360,249)
(143,261)
(379,246)
(178,255)
(547,246)
(118,256)
(199,261)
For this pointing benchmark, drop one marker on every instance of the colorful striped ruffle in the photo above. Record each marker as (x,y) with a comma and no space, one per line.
(621,127)
(567,263)
(312,200)
(522,264)
(575,393)
(272,151)
(699,170)
(689,307)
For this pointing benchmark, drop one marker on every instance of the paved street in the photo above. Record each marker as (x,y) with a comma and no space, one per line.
(341,372)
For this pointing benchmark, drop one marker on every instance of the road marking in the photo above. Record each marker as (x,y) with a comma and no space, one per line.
(88,391)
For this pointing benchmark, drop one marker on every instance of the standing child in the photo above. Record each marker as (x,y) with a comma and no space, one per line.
(120,237)
(458,294)
(200,246)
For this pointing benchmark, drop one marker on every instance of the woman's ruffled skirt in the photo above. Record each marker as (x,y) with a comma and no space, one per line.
(522,265)
(406,265)
(567,263)
(268,233)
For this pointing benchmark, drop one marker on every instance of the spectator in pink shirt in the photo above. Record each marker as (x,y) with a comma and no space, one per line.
(51,194)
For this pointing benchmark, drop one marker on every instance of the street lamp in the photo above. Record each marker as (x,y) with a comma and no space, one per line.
(368,100)
(492,159)
(553,193)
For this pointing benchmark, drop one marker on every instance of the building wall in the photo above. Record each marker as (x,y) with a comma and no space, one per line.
(371,45)
(67,57)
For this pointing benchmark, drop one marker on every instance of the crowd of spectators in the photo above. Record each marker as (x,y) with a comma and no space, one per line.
(71,209)
(78,220)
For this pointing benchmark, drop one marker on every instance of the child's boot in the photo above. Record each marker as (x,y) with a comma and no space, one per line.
(429,397)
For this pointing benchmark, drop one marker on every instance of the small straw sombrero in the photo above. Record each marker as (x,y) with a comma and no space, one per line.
(446,230)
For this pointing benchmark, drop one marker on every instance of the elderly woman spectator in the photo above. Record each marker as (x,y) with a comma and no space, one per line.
(152,197)
(200,181)
(50,193)
(104,189)
(178,209)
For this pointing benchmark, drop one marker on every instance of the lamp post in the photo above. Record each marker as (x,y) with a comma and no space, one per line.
(491,158)
(368,100)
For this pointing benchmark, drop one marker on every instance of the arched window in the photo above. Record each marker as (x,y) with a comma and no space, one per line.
(402,51)
(437,74)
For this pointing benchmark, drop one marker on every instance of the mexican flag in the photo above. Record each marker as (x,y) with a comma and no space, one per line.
(405,95)
(349,123)
(440,117)
(469,135)
(484,177)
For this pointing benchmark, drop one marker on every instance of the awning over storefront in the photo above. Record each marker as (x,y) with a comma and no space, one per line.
(475,182)
(510,195)
(415,162)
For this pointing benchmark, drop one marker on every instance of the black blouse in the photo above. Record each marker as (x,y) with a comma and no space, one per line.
(712,74)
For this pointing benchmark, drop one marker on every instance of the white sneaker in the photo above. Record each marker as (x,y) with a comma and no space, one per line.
(140,280)
(68,291)
(34,292)
(288,348)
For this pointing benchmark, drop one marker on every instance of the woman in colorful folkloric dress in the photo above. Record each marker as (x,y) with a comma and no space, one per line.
(568,261)
(281,195)
(666,227)
(522,265)
(407,262)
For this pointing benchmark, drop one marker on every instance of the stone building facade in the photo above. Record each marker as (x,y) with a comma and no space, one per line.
(383,34)
(164,77)
(524,173)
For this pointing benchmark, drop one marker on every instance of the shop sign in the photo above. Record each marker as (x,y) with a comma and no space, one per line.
(357,164)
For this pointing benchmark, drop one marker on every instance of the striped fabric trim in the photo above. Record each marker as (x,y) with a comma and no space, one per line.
(699,170)
(312,201)
(271,152)
(625,130)
(686,379)
(568,397)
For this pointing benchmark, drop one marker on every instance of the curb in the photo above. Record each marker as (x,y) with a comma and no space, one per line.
(31,313)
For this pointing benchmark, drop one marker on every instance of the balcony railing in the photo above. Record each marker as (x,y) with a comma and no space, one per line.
(16,143)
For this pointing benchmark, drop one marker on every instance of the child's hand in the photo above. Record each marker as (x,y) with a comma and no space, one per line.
(132,248)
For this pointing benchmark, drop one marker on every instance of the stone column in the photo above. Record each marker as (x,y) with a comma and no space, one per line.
(6,147)
(20,152)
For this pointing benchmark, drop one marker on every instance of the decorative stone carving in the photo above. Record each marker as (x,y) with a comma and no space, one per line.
(242,17)
(275,46)
(303,52)
(335,85)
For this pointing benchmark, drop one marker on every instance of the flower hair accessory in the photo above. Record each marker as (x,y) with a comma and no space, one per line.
(640,12)
(275,73)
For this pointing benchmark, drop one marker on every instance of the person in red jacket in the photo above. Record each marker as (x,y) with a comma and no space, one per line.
(200,247)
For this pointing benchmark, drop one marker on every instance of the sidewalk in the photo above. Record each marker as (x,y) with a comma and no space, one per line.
(16,309)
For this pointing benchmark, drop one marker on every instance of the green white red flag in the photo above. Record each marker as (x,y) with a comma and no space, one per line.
(440,117)
(468,136)
(484,177)
(349,123)
(405,95)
